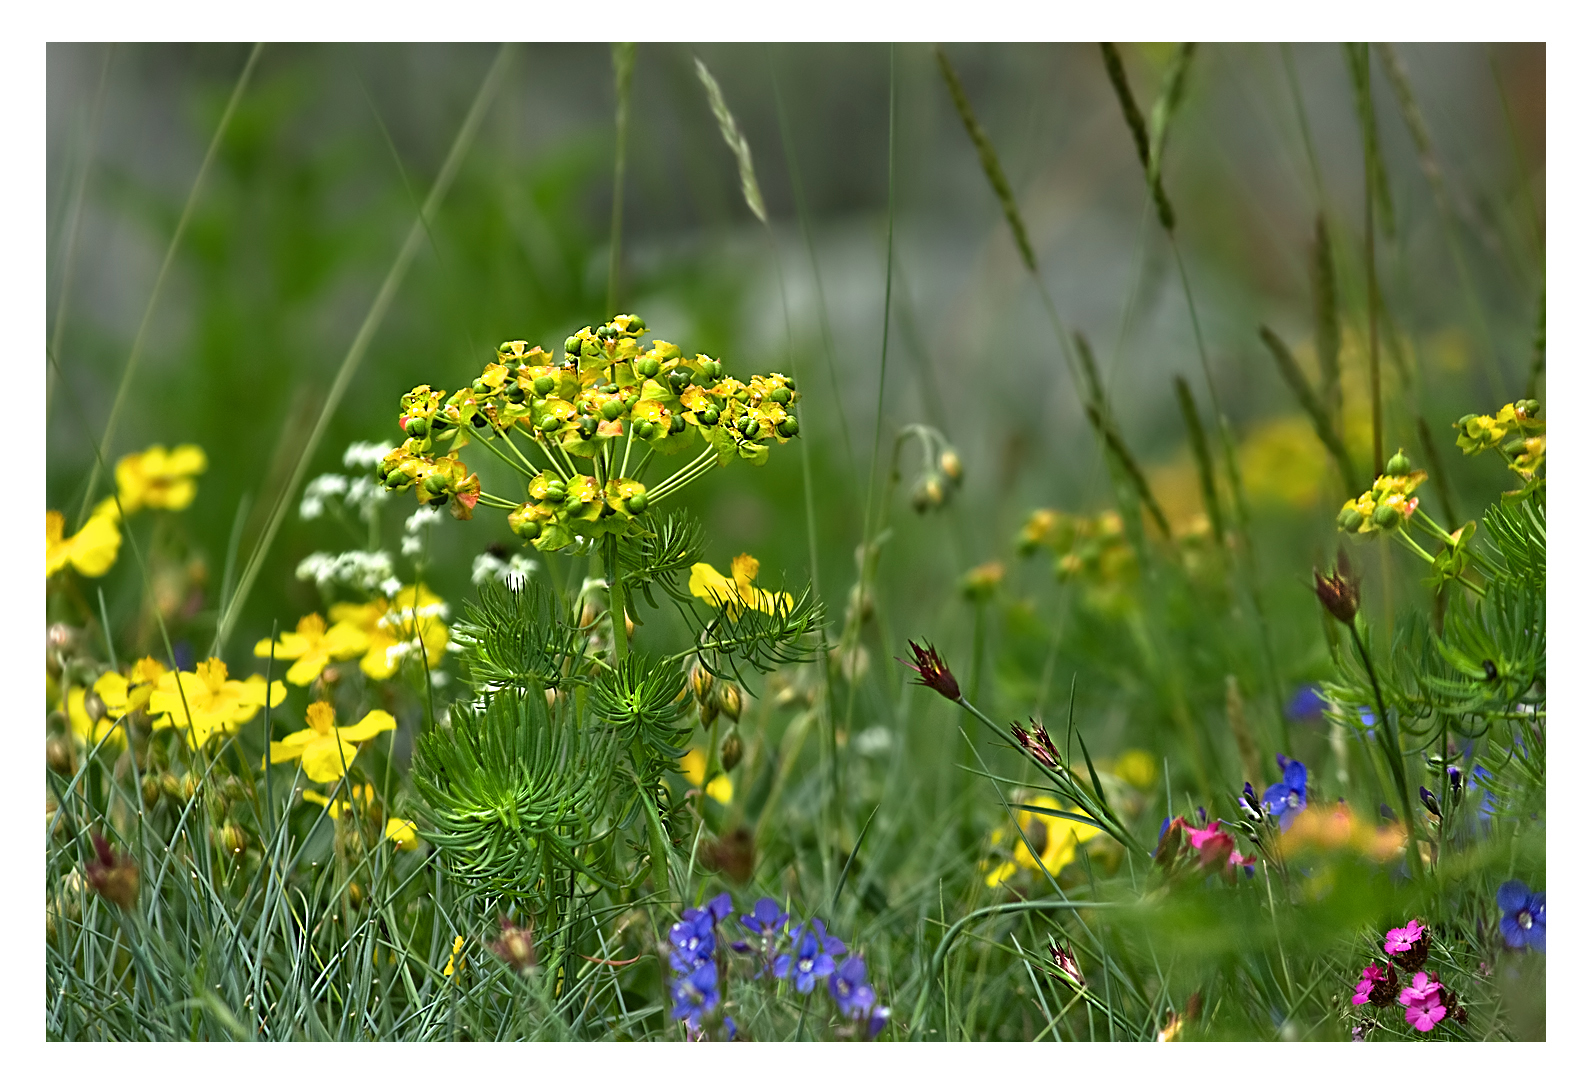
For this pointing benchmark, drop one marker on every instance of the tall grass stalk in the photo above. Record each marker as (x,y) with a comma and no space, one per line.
(107,441)
(360,344)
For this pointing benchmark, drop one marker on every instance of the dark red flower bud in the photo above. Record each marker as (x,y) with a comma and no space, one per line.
(932,670)
(1339,591)
(112,875)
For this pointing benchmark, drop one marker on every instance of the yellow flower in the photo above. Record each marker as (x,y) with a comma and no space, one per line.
(328,750)
(1055,838)
(361,793)
(414,617)
(122,694)
(736,593)
(403,833)
(90,731)
(313,646)
(693,769)
(456,963)
(205,703)
(1335,827)
(91,552)
(1136,768)
(159,479)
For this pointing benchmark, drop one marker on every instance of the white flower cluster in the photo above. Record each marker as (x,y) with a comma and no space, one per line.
(370,571)
(360,493)
(423,517)
(511,572)
(318,490)
(364,455)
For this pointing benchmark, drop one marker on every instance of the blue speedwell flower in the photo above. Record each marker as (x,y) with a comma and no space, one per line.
(806,962)
(1306,704)
(767,919)
(695,994)
(693,939)
(1478,787)
(848,988)
(1286,798)
(1524,922)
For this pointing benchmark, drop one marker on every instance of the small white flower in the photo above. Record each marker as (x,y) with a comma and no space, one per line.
(366,496)
(439,679)
(366,570)
(510,572)
(412,545)
(424,515)
(872,741)
(364,455)
(316,491)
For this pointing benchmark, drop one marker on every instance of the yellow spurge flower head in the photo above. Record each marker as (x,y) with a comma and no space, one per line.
(403,833)
(205,703)
(1336,828)
(89,731)
(328,750)
(314,646)
(128,693)
(410,620)
(1389,504)
(981,581)
(1055,839)
(91,551)
(737,593)
(1136,768)
(692,766)
(159,479)
(362,795)
(1520,418)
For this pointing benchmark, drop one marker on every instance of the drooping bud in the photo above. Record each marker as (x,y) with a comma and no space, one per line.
(1339,591)
(232,839)
(112,874)
(950,464)
(729,699)
(1067,965)
(731,751)
(1429,801)
(933,671)
(515,946)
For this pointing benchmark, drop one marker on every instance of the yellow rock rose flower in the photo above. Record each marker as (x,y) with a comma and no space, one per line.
(91,552)
(328,750)
(205,703)
(159,479)
(736,593)
(314,646)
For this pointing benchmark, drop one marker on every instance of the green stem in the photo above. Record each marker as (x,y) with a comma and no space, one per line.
(1391,751)
(619,622)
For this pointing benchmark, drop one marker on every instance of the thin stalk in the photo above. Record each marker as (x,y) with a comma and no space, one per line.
(622,69)
(1391,751)
(490,444)
(365,336)
(107,441)
(618,602)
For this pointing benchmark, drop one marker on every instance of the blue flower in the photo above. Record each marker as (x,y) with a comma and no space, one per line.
(1479,782)
(1286,798)
(720,907)
(767,919)
(1306,704)
(693,939)
(878,1020)
(1524,922)
(732,1029)
(832,945)
(695,994)
(848,987)
(806,962)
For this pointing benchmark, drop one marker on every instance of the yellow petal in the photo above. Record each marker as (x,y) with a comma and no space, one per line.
(711,587)
(720,789)
(374,722)
(1001,874)
(307,669)
(94,548)
(403,833)
(186,460)
(344,641)
(112,690)
(745,568)
(693,766)
(325,760)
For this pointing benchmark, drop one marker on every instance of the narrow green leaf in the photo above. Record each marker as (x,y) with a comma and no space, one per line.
(1289,368)
(1324,300)
(1203,455)
(989,163)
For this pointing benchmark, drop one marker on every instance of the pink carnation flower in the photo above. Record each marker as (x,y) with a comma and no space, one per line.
(1369,978)
(1402,939)
(1423,1002)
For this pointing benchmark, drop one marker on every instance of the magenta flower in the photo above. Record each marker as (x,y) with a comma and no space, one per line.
(1406,946)
(1423,1002)
(1376,985)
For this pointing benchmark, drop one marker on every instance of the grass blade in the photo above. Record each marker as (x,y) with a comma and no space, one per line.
(1289,368)
(360,344)
(1324,300)
(622,70)
(1203,455)
(1143,141)
(988,159)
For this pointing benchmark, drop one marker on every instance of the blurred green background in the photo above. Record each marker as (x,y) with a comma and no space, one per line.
(333,147)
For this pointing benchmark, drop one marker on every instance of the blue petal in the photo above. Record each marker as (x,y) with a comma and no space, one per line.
(1294,776)
(1512,896)
(1512,932)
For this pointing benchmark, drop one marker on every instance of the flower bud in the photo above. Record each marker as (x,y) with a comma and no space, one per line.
(151,789)
(637,502)
(232,839)
(731,751)
(1398,465)
(112,875)
(171,784)
(515,946)
(1429,801)
(951,465)
(189,786)
(729,699)
(1386,517)
(572,346)
(59,755)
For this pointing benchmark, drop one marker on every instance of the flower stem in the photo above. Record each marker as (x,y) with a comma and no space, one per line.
(1392,751)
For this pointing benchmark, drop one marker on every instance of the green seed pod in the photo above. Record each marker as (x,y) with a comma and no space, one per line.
(439,424)
(607,331)
(440,500)
(636,325)
(1514,446)
(680,378)
(1351,520)
(644,429)
(589,425)
(1386,517)
(417,427)
(514,393)
(787,381)
(649,367)
(789,427)
(729,699)
(1399,465)
(781,395)
(435,483)
(571,346)
(480,420)
(555,491)
(751,429)
(637,502)
(678,424)
(481,387)
(1528,408)
(709,416)
(544,385)
(549,424)
(527,529)
(731,751)
(611,409)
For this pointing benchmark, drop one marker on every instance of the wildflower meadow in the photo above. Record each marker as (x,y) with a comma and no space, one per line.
(796,543)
